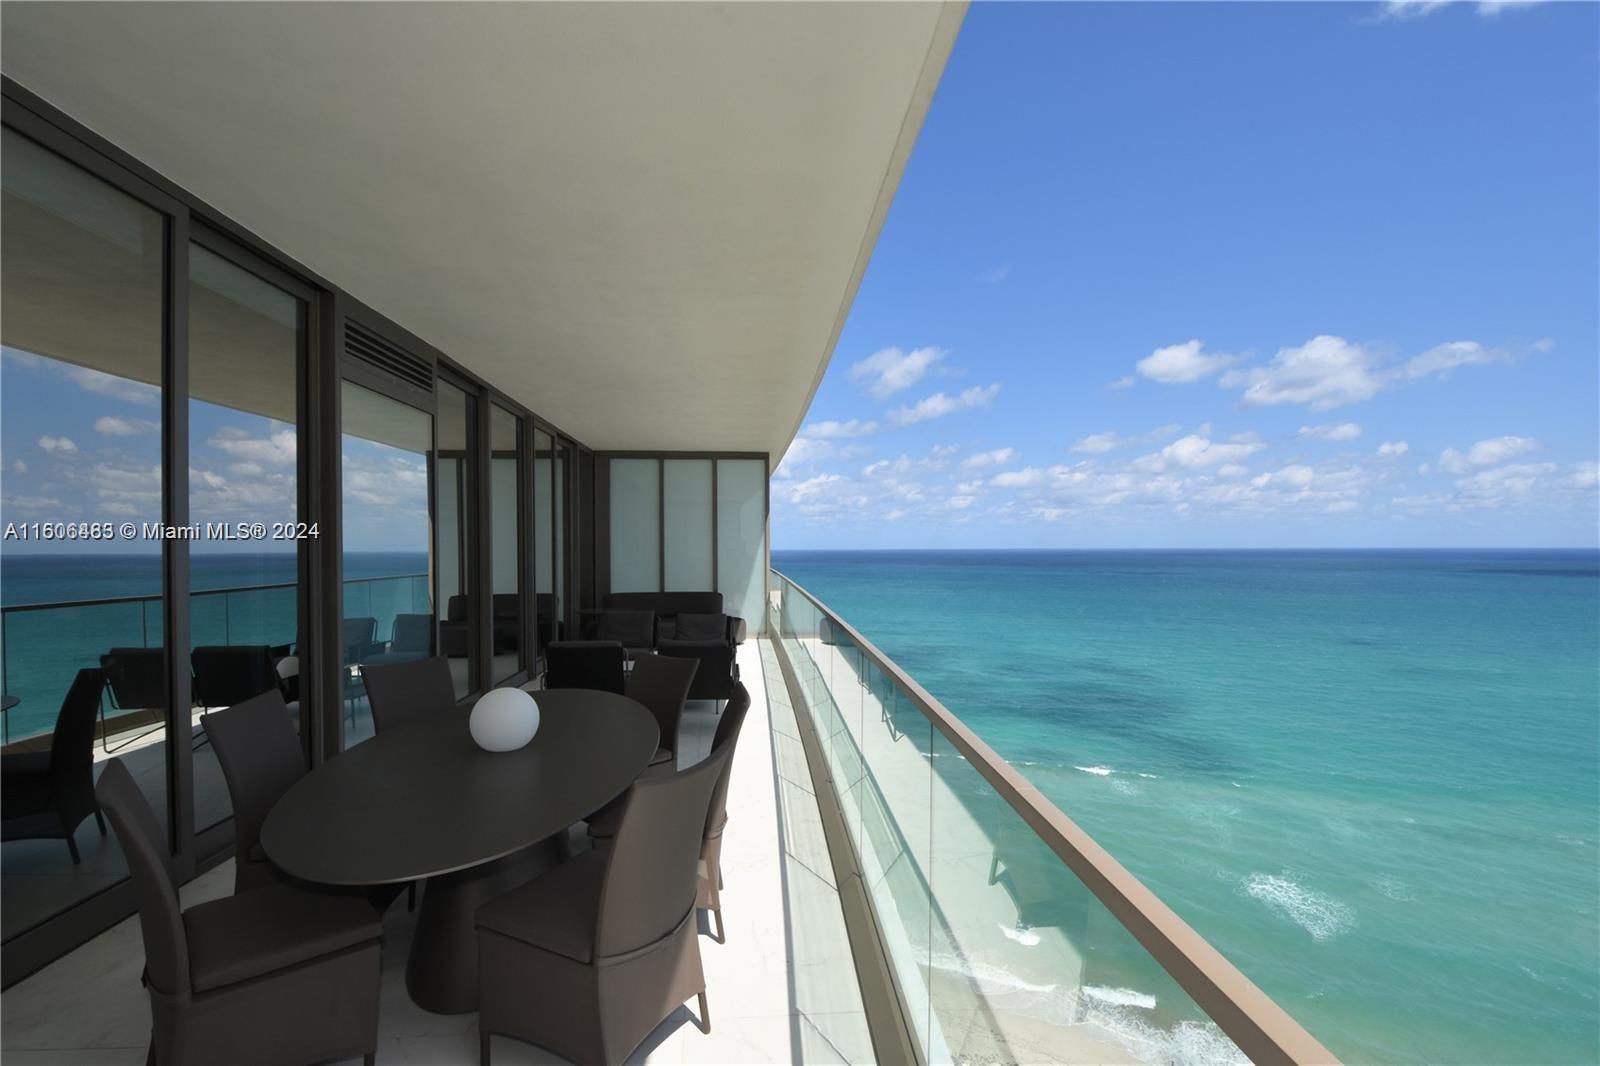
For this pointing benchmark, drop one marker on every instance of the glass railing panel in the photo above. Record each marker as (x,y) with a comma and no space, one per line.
(1036,968)
(46,647)
(1000,952)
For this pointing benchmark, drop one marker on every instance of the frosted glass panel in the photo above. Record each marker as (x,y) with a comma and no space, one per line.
(742,538)
(635,525)
(687,484)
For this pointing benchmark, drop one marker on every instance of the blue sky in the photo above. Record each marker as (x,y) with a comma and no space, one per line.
(1245,274)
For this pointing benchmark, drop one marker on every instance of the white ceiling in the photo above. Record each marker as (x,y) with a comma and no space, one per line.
(644,221)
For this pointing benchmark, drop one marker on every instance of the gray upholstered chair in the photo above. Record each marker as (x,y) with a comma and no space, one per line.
(46,794)
(402,692)
(662,683)
(589,958)
(277,975)
(260,756)
(709,894)
(584,664)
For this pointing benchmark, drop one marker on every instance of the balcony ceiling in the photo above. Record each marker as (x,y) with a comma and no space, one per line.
(644,221)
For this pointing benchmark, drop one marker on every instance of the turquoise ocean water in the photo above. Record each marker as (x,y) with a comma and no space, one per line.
(1371,779)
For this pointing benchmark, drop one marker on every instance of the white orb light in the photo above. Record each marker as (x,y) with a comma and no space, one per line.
(505,719)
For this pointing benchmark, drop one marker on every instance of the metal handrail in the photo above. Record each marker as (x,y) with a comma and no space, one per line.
(12,608)
(1259,1027)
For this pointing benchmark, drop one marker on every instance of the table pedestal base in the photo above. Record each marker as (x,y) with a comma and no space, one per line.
(442,969)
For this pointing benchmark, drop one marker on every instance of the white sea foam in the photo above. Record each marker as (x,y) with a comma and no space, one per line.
(1322,916)
(1120,997)
(1024,935)
(1098,771)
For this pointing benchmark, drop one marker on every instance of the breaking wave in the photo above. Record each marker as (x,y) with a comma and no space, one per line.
(1322,916)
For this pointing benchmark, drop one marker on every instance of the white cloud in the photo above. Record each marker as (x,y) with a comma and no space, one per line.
(31,504)
(1392,449)
(1126,382)
(1100,443)
(837,430)
(995,275)
(1324,372)
(1179,364)
(1328,372)
(1584,475)
(939,404)
(18,466)
(979,460)
(1196,451)
(802,450)
(1019,479)
(1443,358)
(246,469)
(1330,431)
(58,445)
(1294,477)
(1486,453)
(1404,10)
(275,449)
(889,370)
(113,426)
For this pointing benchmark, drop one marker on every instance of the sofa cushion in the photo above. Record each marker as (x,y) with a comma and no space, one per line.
(665,603)
(701,627)
(269,929)
(632,629)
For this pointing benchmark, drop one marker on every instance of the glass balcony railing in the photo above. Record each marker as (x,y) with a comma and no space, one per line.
(1009,935)
(44,645)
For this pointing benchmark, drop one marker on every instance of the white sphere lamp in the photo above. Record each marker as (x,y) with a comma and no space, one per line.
(505,719)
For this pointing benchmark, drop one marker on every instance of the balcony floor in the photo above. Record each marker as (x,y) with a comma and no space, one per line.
(782,989)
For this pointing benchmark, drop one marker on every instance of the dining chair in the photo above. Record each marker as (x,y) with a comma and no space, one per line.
(45,795)
(403,692)
(226,674)
(136,678)
(584,664)
(590,957)
(708,895)
(260,756)
(661,683)
(276,975)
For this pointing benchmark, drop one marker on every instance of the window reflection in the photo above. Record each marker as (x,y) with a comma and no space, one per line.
(454,492)
(505,469)
(388,605)
(244,352)
(80,443)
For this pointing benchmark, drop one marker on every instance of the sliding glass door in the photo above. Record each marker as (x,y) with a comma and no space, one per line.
(85,670)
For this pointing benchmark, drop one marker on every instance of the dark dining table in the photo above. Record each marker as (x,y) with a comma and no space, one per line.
(423,802)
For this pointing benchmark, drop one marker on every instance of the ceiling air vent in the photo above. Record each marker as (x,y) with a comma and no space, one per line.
(365,346)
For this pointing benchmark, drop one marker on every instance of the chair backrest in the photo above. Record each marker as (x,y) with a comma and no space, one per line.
(661,683)
(412,632)
(72,742)
(632,629)
(225,674)
(584,664)
(727,736)
(402,692)
(260,756)
(506,606)
(653,869)
(137,676)
(166,947)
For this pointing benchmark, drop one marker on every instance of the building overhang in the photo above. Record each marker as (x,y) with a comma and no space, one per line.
(646,222)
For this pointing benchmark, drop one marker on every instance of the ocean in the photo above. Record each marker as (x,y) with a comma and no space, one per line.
(1370,778)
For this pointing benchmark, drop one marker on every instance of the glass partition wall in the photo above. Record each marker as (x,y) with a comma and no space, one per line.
(387,550)
(676,523)
(82,633)
(226,477)
(246,338)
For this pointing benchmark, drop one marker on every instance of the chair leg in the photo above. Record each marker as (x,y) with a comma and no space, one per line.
(483,1048)
(100,820)
(370,1059)
(705,1017)
(722,937)
(72,847)
(150,1056)
(411,896)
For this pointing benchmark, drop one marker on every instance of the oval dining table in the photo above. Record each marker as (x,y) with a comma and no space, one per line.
(422,801)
